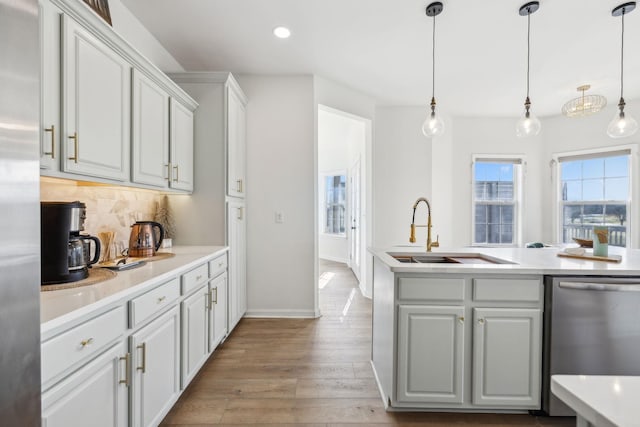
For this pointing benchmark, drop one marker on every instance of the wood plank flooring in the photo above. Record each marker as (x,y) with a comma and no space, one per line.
(309,372)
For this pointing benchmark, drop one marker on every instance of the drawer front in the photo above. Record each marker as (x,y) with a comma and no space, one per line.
(152,302)
(434,289)
(525,290)
(194,278)
(82,342)
(218,266)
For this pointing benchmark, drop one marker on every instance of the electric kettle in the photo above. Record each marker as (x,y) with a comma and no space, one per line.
(143,241)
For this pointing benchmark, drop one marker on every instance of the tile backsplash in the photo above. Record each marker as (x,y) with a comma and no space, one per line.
(109,208)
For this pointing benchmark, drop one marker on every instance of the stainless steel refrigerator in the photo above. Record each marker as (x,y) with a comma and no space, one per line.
(19,214)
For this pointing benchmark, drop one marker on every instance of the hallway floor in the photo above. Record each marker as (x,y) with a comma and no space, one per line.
(309,372)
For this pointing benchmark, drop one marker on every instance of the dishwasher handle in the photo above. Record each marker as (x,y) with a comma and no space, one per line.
(606,287)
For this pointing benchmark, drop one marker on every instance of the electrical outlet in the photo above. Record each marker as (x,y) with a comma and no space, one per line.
(279,218)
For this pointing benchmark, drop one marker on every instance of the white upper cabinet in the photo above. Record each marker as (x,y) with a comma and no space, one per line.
(236,143)
(50,17)
(150,132)
(96,106)
(181,147)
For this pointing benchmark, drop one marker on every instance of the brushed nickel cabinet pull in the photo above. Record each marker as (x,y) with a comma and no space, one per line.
(239,186)
(207,300)
(86,342)
(176,167)
(168,166)
(127,362)
(51,153)
(75,147)
(143,368)
(216,300)
(240,213)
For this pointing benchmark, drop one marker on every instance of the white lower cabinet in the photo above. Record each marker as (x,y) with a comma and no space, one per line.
(236,240)
(195,332)
(218,311)
(507,357)
(430,353)
(155,353)
(95,395)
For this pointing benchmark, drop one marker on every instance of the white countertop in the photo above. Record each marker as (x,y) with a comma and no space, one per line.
(604,401)
(62,306)
(525,261)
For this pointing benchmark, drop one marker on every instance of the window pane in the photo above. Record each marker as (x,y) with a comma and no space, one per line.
(335,207)
(593,214)
(593,189)
(505,191)
(593,168)
(615,214)
(494,233)
(572,190)
(506,236)
(481,214)
(616,188)
(493,214)
(481,233)
(571,170)
(506,172)
(616,166)
(507,214)
(572,214)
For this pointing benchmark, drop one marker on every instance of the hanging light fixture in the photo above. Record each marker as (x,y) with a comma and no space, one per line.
(433,125)
(621,125)
(584,105)
(529,125)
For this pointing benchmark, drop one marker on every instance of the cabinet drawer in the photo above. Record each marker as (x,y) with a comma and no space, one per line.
(218,266)
(82,342)
(194,278)
(526,290)
(436,289)
(152,302)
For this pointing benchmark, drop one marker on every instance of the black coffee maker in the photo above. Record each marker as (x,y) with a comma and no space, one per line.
(65,253)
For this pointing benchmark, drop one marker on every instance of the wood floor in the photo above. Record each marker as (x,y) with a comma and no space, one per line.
(309,372)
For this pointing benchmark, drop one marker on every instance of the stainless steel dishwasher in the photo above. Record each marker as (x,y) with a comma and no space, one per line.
(592,327)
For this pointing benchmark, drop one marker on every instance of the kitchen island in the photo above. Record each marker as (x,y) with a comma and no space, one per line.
(462,329)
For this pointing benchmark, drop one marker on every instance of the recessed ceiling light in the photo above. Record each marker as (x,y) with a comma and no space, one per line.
(282,32)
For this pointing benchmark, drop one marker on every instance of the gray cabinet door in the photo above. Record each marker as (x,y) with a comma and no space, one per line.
(507,357)
(430,354)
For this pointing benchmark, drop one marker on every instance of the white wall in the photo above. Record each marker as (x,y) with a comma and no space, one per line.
(402,173)
(360,107)
(132,30)
(280,177)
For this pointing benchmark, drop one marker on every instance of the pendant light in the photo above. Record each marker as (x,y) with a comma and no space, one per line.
(529,125)
(433,125)
(621,125)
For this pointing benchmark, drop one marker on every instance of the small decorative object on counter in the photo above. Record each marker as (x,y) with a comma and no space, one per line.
(164,216)
(600,241)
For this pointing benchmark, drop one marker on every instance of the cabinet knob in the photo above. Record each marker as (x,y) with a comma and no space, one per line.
(481,321)
(87,342)
(162,298)
(461,319)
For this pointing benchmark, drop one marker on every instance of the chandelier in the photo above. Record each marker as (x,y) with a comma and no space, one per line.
(584,105)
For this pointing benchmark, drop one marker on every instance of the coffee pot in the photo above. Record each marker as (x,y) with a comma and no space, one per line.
(143,241)
(79,252)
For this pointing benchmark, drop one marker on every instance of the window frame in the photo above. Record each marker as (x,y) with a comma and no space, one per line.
(595,153)
(323,206)
(518,189)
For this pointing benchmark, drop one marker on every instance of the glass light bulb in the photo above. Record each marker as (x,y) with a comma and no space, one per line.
(528,125)
(433,125)
(622,126)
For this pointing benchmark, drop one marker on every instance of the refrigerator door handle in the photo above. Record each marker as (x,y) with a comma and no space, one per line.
(606,287)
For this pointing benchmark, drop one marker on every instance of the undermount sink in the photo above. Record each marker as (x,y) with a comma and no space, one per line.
(446,258)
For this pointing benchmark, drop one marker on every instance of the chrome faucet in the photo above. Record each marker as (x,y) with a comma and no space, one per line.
(412,239)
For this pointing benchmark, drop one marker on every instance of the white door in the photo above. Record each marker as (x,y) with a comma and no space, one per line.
(195,346)
(236,144)
(236,240)
(354,217)
(156,369)
(181,147)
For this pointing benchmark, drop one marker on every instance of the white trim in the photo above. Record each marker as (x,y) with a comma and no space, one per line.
(282,314)
(519,181)
(633,227)
(334,259)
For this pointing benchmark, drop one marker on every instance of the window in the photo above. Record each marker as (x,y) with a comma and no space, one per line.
(335,204)
(496,196)
(594,190)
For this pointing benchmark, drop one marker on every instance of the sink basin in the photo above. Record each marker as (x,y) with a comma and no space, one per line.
(446,258)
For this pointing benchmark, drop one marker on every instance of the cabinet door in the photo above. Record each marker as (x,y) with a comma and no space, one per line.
(181,147)
(195,346)
(507,357)
(50,17)
(96,104)
(236,144)
(430,354)
(218,317)
(150,132)
(96,395)
(236,240)
(155,353)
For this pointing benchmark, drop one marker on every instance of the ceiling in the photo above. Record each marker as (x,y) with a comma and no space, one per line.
(383,47)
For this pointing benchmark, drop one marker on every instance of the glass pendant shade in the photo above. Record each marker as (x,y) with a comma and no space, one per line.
(622,126)
(433,125)
(529,125)
(584,105)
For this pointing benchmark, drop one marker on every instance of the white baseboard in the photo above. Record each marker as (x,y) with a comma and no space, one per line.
(296,314)
(334,259)
(362,290)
